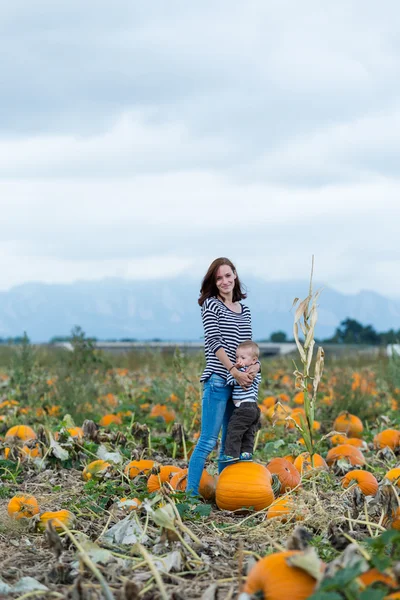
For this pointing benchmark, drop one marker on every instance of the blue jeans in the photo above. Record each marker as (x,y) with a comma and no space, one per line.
(217,408)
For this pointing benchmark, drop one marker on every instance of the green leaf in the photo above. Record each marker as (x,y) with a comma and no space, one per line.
(326,596)
(372,595)
(203,510)
(342,578)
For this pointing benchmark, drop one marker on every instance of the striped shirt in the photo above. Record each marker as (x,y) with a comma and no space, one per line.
(240,395)
(223,328)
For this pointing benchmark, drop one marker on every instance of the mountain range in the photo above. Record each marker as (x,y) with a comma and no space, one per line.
(167,309)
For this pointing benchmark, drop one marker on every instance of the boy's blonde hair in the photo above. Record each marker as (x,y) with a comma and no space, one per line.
(252,345)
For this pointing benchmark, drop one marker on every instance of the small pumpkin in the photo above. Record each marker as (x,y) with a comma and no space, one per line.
(110,419)
(22,506)
(206,486)
(365,481)
(373,576)
(349,424)
(130,503)
(96,469)
(163,412)
(166,472)
(55,517)
(137,467)
(288,475)
(281,509)
(244,485)
(31,452)
(303,463)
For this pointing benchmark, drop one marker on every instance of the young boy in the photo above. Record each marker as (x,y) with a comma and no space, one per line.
(245,418)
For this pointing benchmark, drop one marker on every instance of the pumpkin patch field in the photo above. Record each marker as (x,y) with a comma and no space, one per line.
(94,452)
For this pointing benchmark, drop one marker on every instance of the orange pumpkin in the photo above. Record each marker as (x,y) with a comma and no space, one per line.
(394,476)
(22,506)
(288,475)
(281,508)
(130,503)
(366,482)
(155,482)
(347,452)
(339,438)
(304,465)
(136,467)
(373,576)
(349,424)
(206,487)
(76,433)
(96,469)
(110,419)
(244,485)
(23,432)
(387,438)
(278,580)
(55,517)
(162,411)
(31,453)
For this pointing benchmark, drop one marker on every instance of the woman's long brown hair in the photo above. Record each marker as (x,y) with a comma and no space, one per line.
(208,287)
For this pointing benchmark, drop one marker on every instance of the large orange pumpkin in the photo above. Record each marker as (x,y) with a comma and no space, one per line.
(347,452)
(23,432)
(387,438)
(363,479)
(244,485)
(278,580)
(349,424)
(394,476)
(288,475)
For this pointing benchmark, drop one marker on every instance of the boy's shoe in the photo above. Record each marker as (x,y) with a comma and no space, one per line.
(228,459)
(246,456)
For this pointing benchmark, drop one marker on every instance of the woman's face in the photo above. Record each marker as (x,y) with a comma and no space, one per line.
(225,280)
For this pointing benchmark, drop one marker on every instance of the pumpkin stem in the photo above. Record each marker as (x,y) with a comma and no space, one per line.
(275,484)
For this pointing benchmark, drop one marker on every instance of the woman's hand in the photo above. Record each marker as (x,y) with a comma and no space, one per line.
(243,378)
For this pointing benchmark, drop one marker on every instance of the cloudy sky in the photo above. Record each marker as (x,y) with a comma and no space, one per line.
(144,139)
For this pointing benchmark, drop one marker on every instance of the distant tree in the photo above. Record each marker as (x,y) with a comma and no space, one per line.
(278,337)
(353,332)
(60,338)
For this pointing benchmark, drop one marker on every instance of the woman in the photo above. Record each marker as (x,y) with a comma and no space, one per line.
(226,323)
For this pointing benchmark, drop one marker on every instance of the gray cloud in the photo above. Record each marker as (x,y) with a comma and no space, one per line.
(139,136)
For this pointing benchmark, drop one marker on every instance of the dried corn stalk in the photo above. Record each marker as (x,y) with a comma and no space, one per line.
(305,318)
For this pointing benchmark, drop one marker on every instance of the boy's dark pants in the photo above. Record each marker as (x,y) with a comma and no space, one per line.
(242,428)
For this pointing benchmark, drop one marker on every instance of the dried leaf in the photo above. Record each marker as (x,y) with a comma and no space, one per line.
(126,531)
(299,346)
(301,309)
(57,450)
(319,367)
(295,301)
(164,516)
(105,454)
(309,356)
(308,561)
